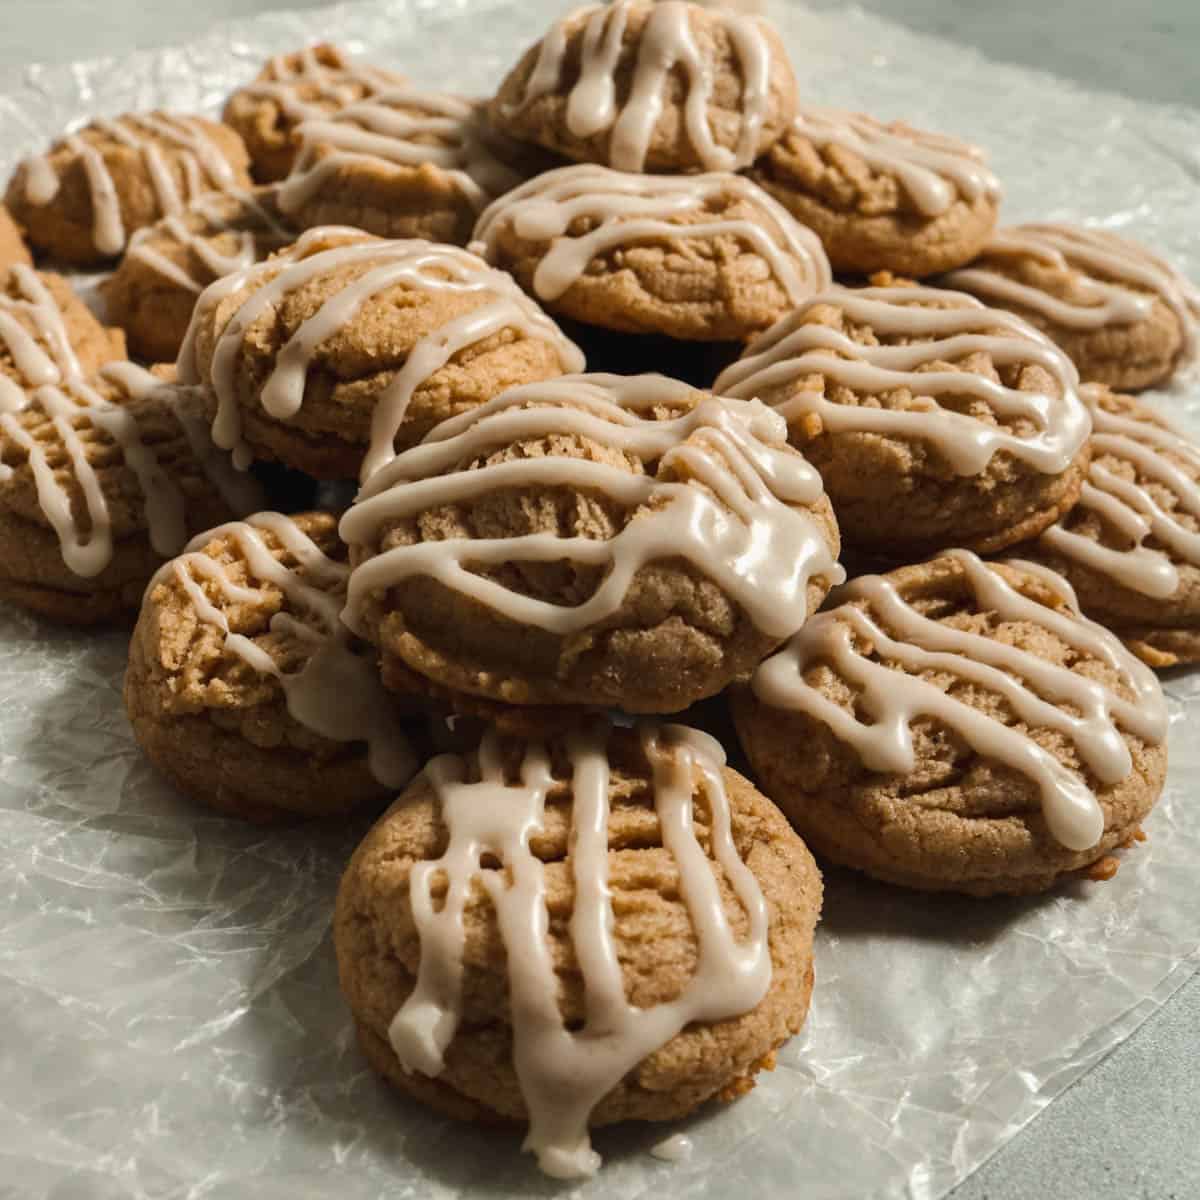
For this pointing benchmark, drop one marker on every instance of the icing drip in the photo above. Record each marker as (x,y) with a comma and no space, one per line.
(666,46)
(41,356)
(674,1149)
(303,87)
(1116,280)
(730,513)
(932,168)
(1164,459)
(619,210)
(414,264)
(337,694)
(1041,694)
(563,1075)
(791,350)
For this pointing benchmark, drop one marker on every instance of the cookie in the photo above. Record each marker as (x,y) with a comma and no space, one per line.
(706,258)
(244,688)
(882,197)
(593,541)
(644,86)
(12,244)
(1131,546)
(344,348)
(933,420)
(100,481)
(308,84)
(1124,316)
(82,200)
(958,726)
(47,335)
(611,927)
(168,264)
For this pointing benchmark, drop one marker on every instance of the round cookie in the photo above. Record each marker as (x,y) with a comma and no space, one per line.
(934,421)
(706,258)
(246,691)
(1131,546)
(1123,316)
(47,335)
(168,264)
(957,726)
(593,541)
(81,200)
(100,481)
(12,244)
(644,86)
(308,84)
(344,348)
(882,197)
(637,966)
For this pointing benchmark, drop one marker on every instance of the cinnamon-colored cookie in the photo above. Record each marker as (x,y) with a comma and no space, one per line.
(245,690)
(934,421)
(706,258)
(1123,316)
(957,726)
(643,86)
(882,197)
(12,244)
(613,927)
(344,348)
(82,200)
(597,540)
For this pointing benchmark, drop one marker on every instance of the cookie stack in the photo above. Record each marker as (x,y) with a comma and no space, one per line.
(509,575)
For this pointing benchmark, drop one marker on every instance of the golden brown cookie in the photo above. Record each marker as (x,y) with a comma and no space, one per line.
(245,690)
(706,258)
(307,84)
(882,197)
(82,200)
(1123,316)
(597,540)
(99,483)
(643,86)
(957,726)
(629,937)
(934,421)
(12,244)
(344,348)
(168,264)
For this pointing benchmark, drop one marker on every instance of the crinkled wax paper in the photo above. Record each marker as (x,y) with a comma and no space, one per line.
(171,1021)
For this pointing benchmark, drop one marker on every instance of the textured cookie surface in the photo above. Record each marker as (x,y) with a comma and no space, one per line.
(12,244)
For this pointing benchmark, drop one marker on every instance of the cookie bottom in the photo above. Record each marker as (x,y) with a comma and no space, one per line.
(104,606)
(1160,647)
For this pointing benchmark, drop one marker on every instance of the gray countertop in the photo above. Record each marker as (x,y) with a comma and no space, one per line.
(1130,1128)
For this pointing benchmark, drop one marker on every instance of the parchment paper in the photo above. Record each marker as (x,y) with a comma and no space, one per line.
(171,1022)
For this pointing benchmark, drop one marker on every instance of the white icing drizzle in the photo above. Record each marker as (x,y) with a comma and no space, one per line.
(1164,458)
(620,210)
(732,512)
(792,350)
(413,263)
(41,356)
(563,1075)
(676,1148)
(1116,280)
(666,45)
(337,693)
(304,87)
(1039,692)
(933,169)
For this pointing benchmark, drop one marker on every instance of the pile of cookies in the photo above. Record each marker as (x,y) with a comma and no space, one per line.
(474,442)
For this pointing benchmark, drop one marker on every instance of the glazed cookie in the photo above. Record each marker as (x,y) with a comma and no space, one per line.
(308,84)
(47,335)
(597,540)
(1131,546)
(344,348)
(244,688)
(83,198)
(934,421)
(958,726)
(704,258)
(12,244)
(168,264)
(610,927)
(643,86)
(99,483)
(1124,317)
(882,197)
